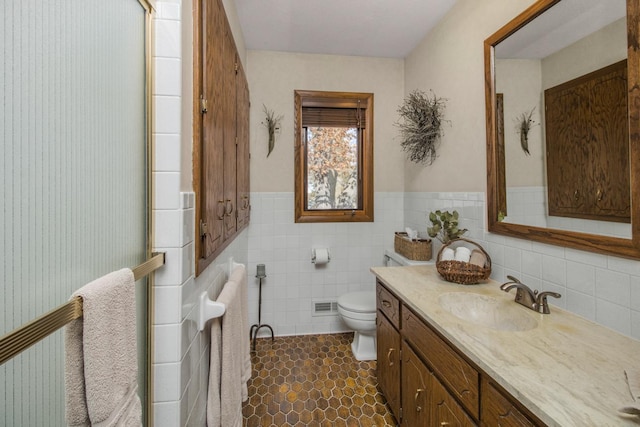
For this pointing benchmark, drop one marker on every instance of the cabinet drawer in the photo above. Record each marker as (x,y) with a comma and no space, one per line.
(388,304)
(498,410)
(461,379)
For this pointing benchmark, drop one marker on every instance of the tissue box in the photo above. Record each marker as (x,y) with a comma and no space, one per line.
(415,250)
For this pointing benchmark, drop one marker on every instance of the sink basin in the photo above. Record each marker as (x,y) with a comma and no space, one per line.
(487,311)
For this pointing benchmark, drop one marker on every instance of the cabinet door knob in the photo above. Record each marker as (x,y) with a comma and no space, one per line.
(418,391)
(444,423)
(221,204)
(391,350)
(228,207)
(599,195)
(386,303)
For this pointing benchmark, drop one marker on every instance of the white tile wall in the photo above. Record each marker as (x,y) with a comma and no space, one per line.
(528,205)
(293,283)
(601,288)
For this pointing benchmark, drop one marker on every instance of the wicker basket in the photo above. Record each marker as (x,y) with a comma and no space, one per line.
(415,250)
(460,272)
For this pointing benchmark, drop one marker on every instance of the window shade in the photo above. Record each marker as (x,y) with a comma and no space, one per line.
(334,117)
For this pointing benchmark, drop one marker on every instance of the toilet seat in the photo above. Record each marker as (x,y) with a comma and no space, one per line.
(358,305)
(359,302)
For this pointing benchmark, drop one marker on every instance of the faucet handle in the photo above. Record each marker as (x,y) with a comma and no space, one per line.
(541,301)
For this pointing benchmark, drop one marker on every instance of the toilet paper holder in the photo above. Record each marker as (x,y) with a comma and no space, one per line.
(322,257)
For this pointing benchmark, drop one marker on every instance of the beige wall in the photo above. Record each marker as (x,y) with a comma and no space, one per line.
(450,61)
(596,51)
(273,77)
(520,80)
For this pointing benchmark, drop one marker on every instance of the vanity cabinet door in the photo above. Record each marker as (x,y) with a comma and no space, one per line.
(388,364)
(462,379)
(446,411)
(416,389)
(498,410)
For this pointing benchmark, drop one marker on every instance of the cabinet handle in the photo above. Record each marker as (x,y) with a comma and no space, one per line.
(245,202)
(418,391)
(219,215)
(228,212)
(444,423)
(386,303)
(576,195)
(599,195)
(390,362)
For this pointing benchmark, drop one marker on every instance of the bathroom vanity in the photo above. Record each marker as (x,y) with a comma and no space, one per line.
(456,355)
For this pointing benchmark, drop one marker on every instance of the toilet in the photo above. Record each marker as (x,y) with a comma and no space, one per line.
(358,310)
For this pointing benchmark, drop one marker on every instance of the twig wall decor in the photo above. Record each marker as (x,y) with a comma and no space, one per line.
(421,126)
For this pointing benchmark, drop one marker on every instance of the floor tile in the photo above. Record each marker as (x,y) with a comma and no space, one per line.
(313,380)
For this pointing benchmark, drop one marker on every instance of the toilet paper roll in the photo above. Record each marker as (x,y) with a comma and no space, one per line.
(462,254)
(447,255)
(320,256)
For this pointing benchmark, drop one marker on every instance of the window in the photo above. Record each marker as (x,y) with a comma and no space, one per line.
(333,156)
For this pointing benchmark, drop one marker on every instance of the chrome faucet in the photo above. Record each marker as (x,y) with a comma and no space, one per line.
(531,299)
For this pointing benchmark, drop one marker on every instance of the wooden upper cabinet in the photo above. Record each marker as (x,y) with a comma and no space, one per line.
(221,134)
(243,157)
(587,137)
(212,131)
(228,82)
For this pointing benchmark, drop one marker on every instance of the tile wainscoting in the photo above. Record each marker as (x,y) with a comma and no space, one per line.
(601,288)
(293,284)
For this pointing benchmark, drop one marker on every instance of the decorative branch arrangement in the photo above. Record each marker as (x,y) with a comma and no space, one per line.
(420,128)
(445,226)
(524,125)
(272,123)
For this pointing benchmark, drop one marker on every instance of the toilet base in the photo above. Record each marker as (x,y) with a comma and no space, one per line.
(364,346)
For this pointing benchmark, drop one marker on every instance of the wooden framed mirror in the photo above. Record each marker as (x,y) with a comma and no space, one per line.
(571,20)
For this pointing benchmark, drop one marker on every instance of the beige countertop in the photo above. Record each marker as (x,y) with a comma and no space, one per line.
(568,371)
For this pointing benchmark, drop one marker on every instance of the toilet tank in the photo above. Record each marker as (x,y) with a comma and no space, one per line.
(394,259)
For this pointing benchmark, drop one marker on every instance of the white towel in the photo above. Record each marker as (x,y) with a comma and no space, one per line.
(101,365)
(213,395)
(239,275)
(224,400)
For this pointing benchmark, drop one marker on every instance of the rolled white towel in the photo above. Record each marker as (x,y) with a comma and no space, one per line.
(447,254)
(462,254)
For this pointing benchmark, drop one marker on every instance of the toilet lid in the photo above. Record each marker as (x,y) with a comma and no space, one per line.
(359,302)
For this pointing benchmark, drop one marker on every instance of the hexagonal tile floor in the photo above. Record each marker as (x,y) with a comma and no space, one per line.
(313,380)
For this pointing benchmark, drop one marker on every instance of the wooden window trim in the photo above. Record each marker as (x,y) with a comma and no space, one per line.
(334,99)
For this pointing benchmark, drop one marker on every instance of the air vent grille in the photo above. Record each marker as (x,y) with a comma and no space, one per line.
(325,308)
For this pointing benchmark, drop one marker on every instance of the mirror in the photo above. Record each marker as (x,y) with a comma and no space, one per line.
(539,66)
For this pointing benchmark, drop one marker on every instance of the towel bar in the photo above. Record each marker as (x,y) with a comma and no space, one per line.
(208,310)
(27,335)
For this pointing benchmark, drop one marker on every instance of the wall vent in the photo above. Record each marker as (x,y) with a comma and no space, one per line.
(325,308)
